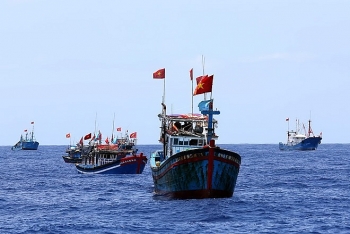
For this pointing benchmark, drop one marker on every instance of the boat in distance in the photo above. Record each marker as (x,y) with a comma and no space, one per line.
(298,141)
(120,158)
(27,142)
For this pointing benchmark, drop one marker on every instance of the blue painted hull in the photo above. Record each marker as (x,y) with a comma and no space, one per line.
(310,143)
(30,145)
(127,165)
(26,145)
(190,174)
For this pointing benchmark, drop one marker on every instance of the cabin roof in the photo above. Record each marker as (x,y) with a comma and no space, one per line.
(184,117)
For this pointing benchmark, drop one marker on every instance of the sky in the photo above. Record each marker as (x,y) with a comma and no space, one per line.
(80,66)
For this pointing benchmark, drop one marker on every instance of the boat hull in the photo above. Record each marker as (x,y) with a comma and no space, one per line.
(69,159)
(31,145)
(127,165)
(197,173)
(310,143)
(73,155)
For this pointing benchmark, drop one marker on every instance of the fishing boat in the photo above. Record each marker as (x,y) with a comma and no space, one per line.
(298,141)
(190,165)
(119,158)
(74,153)
(27,142)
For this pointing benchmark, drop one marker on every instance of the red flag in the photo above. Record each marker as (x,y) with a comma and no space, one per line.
(160,74)
(32,123)
(107,141)
(68,135)
(133,135)
(119,129)
(287,119)
(81,141)
(87,137)
(199,78)
(205,85)
(191,73)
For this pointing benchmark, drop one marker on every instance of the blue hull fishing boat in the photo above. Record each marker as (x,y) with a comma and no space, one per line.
(191,165)
(119,158)
(28,142)
(298,141)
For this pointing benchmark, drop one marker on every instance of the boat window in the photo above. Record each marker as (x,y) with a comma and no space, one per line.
(185,142)
(193,142)
(176,141)
(181,143)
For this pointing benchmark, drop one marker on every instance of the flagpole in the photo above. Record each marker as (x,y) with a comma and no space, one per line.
(163,124)
(203,64)
(163,91)
(192,89)
(212,84)
(192,98)
(113,127)
(95,121)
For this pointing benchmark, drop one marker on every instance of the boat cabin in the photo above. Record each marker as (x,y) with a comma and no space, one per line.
(185,132)
(296,139)
(181,143)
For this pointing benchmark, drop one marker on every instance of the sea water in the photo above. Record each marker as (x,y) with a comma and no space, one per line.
(276,192)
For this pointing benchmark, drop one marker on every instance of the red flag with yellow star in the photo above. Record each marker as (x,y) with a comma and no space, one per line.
(204,85)
(160,74)
(198,79)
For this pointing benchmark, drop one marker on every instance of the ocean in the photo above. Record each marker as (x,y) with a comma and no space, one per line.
(276,192)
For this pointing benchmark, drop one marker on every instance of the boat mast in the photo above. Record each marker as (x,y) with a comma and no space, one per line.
(309,128)
(163,120)
(113,129)
(32,131)
(210,112)
(203,64)
(288,130)
(95,121)
(164,128)
(191,76)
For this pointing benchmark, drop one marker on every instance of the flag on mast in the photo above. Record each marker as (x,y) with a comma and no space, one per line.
(160,74)
(87,137)
(133,135)
(205,85)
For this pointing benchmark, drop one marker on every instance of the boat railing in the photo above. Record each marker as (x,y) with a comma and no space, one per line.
(102,161)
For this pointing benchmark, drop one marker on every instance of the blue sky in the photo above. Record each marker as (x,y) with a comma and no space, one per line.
(66,64)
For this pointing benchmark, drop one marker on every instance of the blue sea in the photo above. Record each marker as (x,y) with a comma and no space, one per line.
(276,192)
